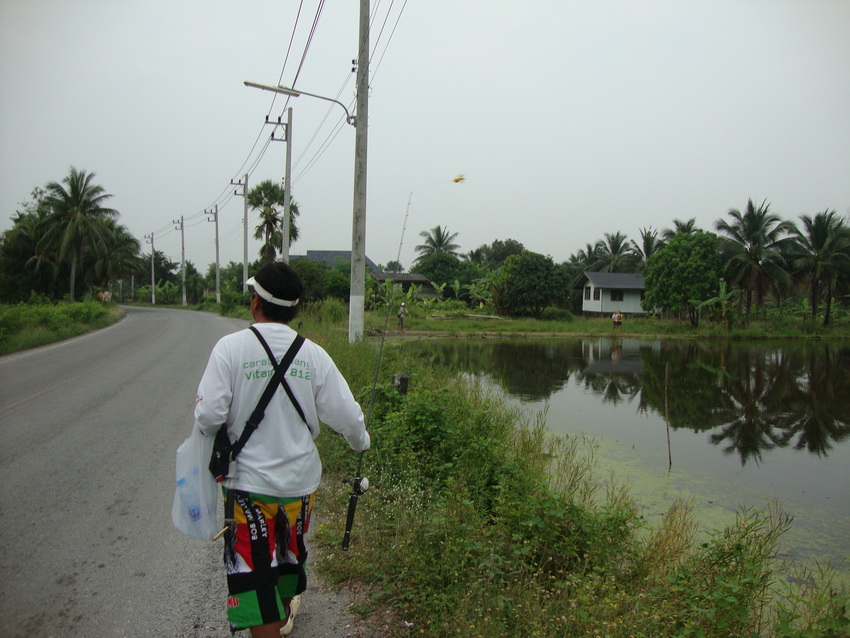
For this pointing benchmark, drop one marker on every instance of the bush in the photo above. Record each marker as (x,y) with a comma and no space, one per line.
(557,314)
(330,310)
(27,325)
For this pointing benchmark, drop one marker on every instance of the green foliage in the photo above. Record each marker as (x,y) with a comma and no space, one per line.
(328,310)
(557,314)
(440,267)
(35,323)
(314,277)
(687,269)
(530,282)
(478,519)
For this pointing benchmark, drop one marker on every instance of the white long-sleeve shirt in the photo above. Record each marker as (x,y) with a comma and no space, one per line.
(280,458)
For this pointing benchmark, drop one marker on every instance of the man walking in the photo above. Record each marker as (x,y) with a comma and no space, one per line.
(278,469)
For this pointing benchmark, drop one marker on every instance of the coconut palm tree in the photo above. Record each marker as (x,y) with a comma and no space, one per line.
(76,217)
(586,259)
(122,257)
(268,198)
(689,227)
(753,249)
(648,246)
(615,254)
(820,249)
(437,240)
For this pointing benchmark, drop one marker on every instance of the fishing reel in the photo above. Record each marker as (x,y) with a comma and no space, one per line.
(359,486)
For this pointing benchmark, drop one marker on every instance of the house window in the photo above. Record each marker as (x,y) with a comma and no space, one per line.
(596,294)
(616,295)
(587,292)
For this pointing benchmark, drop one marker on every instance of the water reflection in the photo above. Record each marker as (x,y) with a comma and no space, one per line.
(749,399)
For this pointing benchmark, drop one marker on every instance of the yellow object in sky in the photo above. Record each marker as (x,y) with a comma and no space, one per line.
(459,178)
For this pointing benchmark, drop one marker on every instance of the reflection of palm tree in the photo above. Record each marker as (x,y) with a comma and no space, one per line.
(757,395)
(821,411)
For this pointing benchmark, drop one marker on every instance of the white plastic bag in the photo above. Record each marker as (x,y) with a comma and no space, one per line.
(194,509)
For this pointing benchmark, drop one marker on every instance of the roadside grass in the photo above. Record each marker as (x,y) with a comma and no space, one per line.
(419,322)
(479,522)
(29,325)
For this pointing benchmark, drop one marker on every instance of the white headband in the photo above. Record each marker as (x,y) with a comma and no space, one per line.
(265,294)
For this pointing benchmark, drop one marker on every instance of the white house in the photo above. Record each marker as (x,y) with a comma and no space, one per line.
(606,292)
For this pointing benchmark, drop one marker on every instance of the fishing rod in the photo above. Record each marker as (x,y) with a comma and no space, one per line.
(359,484)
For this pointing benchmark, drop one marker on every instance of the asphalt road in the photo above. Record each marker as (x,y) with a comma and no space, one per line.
(88,433)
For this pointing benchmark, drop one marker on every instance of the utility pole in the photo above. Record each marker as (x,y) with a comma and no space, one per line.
(287,192)
(214,214)
(358,233)
(179,226)
(153,282)
(244,184)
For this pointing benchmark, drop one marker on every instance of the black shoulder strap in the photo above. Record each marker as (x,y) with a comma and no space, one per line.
(283,367)
(280,370)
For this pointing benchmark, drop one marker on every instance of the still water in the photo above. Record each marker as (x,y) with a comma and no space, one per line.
(747,422)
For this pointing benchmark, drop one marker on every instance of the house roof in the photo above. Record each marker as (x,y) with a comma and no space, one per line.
(401,277)
(608,280)
(332,257)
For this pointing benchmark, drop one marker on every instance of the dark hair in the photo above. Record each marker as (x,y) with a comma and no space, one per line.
(279,279)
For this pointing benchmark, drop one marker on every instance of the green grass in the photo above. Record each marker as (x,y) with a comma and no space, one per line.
(481,523)
(29,325)
(781,327)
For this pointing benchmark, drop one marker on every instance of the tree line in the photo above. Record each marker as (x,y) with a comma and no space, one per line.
(754,258)
(67,241)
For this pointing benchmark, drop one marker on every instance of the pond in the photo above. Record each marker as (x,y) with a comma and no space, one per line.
(722,423)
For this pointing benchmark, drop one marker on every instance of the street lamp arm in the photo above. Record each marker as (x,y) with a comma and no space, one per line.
(349,118)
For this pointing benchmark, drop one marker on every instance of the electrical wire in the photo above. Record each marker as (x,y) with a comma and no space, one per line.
(227,193)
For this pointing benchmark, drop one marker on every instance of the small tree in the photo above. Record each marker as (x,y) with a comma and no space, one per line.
(686,270)
(530,283)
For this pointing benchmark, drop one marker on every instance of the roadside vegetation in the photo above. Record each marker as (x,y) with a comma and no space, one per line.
(38,322)
(481,523)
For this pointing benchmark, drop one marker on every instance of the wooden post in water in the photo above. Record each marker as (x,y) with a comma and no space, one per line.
(667,415)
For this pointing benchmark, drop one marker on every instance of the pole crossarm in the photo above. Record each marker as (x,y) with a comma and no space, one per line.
(285,90)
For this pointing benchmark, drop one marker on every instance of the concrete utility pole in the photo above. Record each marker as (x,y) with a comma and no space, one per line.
(179,226)
(287,178)
(358,234)
(153,281)
(244,184)
(287,191)
(214,214)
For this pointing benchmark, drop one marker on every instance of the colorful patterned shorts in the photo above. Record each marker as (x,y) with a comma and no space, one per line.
(265,558)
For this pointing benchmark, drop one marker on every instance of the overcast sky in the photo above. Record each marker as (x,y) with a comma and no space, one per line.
(570,119)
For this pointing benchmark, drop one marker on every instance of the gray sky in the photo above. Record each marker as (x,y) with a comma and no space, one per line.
(568,118)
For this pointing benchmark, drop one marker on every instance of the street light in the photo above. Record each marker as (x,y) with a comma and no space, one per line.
(285,90)
(356,305)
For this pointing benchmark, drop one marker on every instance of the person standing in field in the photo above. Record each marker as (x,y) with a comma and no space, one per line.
(402,313)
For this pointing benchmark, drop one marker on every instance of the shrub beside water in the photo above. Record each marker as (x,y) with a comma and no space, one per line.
(481,523)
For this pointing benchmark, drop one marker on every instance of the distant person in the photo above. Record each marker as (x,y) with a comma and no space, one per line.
(278,470)
(617,319)
(402,313)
